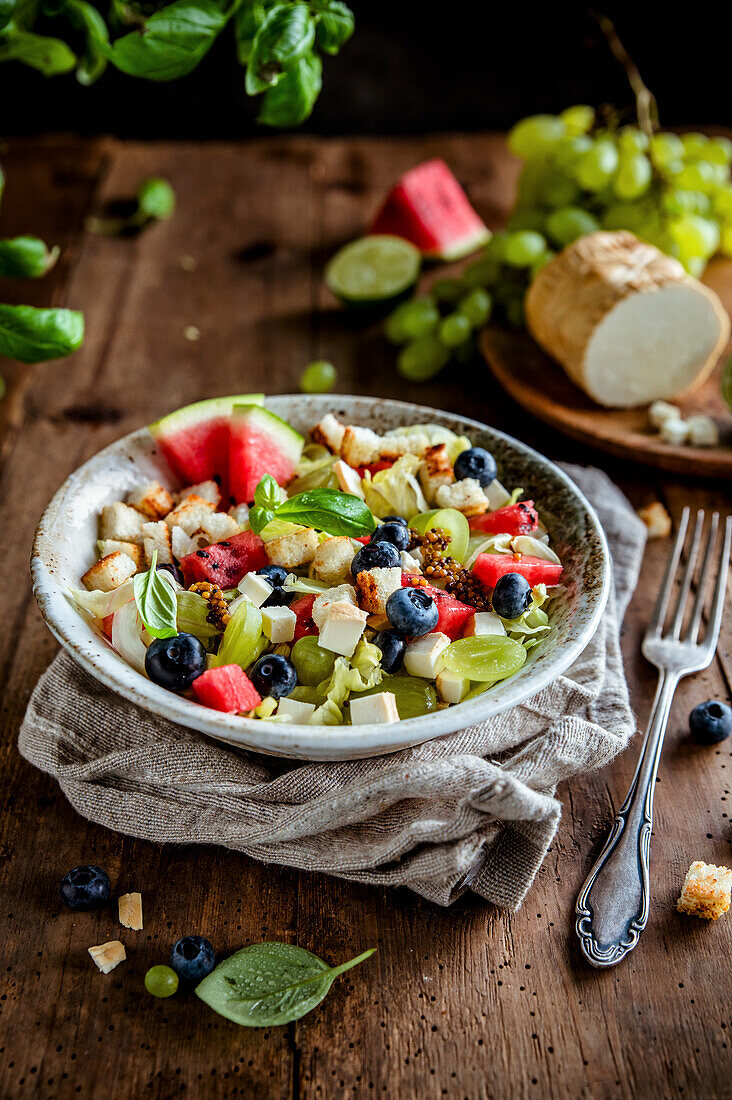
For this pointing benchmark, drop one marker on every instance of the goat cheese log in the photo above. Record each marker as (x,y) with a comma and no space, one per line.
(626,322)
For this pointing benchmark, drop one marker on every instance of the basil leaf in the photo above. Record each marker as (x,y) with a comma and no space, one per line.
(155,199)
(329,510)
(49,56)
(171,43)
(268,494)
(7,10)
(259,518)
(292,99)
(266,984)
(156,602)
(85,17)
(34,335)
(26,258)
(248,18)
(335,25)
(286,35)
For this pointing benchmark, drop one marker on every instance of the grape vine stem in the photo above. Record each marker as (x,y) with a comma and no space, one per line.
(646,106)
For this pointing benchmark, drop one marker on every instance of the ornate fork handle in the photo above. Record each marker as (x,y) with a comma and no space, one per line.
(612,907)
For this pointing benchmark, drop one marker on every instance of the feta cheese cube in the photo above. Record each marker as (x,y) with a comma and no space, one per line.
(348,478)
(342,629)
(371,709)
(255,588)
(484,622)
(278,624)
(423,656)
(451,687)
(295,711)
(108,955)
(130,911)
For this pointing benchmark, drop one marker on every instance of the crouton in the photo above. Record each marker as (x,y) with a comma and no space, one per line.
(240,512)
(152,499)
(216,527)
(411,560)
(375,586)
(466,495)
(656,519)
(293,550)
(342,593)
(181,543)
(109,573)
(132,549)
(129,907)
(329,433)
(157,536)
(190,514)
(332,561)
(349,480)
(706,891)
(360,446)
(206,490)
(121,522)
(436,470)
(394,446)
(108,955)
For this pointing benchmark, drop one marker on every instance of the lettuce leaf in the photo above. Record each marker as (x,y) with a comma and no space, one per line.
(314,470)
(100,604)
(395,491)
(364,671)
(533,626)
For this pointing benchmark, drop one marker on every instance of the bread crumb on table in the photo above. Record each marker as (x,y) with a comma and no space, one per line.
(706,891)
(656,519)
(130,911)
(108,955)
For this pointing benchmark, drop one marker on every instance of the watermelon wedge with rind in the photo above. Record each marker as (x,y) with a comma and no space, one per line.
(429,208)
(260,443)
(195,439)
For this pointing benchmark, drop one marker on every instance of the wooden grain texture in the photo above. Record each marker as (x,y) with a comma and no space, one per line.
(468,1002)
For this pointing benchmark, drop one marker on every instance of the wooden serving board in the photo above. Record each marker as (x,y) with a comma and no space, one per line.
(540,386)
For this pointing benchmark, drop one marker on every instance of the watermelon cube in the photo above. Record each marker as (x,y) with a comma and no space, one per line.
(453,614)
(227,688)
(514,519)
(489,567)
(225,563)
(303,609)
(260,443)
(429,208)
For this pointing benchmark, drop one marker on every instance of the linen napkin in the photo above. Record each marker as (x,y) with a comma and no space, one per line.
(472,810)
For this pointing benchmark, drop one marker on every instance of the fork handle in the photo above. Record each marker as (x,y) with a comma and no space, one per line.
(612,907)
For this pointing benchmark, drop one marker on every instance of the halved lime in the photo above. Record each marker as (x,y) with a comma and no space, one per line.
(373,270)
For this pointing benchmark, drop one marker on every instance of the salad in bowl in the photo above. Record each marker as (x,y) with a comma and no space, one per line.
(343,576)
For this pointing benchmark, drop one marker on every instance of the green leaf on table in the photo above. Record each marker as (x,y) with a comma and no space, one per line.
(156,602)
(34,335)
(266,984)
(171,43)
(329,510)
(49,56)
(334,25)
(286,35)
(85,18)
(292,99)
(726,382)
(155,200)
(26,258)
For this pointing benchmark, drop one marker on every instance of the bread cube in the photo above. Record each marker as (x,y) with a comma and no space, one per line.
(130,911)
(423,656)
(293,550)
(435,471)
(329,433)
(152,499)
(158,536)
(109,573)
(343,593)
(374,586)
(379,708)
(240,512)
(332,560)
(359,446)
(132,549)
(108,955)
(706,891)
(342,629)
(394,446)
(121,522)
(466,495)
(206,490)
(216,527)
(656,519)
(349,480)
(191,514)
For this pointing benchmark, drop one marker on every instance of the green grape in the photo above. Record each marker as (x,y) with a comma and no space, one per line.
(632,140)
(523,248)
(677,201)
(634,176)
(559,190)
(665,148)
(417,317)
(161,981)
(624,215)
(535,136)
(597,166)
(487,658)
(318,377)
(241,641)
(725,243)
(476,306)
(414,696)
(530,186)
(695,145)
(698,175)
(526,218)
(454,524)
(578,119)
(482,273)
(454,330)
(568,223)
(569,150)
(695,236)
(447,291)
(422,359)
(313,664)
(543,260)
(495,247)
(515,312)
(719,151)
(722,201)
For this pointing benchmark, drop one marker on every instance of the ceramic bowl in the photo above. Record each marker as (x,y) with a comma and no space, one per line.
(64,548)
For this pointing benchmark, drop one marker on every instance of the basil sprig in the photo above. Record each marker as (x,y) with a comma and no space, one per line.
(266,984)
(155,202)
(156,602)
(26,258)
(33,335)
(327,510)
(267,498)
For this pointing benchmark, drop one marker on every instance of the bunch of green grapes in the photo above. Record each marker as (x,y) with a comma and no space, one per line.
(579,176)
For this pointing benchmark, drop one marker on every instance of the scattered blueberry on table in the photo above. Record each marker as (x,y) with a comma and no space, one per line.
(711,722)
(192,958)
(85,887)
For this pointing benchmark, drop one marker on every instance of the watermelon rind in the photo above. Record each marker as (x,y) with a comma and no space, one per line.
(282,437)
(200,411)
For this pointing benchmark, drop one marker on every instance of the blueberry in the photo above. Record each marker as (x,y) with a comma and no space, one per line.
(511,596)
(711,722)
(192,958)
(395,533)
(279,598)
(392,645)
(174,571)
(275,574)
(174,663)
(412,611)
(274,675)
(85,888)
(395,519)
(376,555)
(478,463)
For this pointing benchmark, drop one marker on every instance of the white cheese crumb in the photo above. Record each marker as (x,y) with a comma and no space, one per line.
(703,432)
(108,955)
(661,411)
(674,431)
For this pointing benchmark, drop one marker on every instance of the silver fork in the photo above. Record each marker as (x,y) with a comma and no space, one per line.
(612,907)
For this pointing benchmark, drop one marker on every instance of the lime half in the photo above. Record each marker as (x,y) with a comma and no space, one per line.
(373,270)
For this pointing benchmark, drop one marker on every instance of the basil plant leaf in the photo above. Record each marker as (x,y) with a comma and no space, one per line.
(266,984)
(7,11)
(155,199)
(268,493)
(156,602)
(85,17)
(292,99)
(171,43)
(259,518)
(49,56)
(26,258)
(334,25)
(248,18)
(329,510)
(34,335)
(285,36)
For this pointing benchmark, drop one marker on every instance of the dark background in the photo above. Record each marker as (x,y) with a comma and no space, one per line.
(415,67)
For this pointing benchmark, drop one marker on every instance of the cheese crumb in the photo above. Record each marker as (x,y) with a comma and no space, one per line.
(674,431)
(656,519)
(108,955)
(130,911)
(661,411)
(703,432)
(706,891)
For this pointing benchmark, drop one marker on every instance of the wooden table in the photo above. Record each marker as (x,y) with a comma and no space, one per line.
(468,1002)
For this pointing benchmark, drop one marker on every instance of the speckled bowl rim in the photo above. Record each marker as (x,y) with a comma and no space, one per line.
(97,657)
